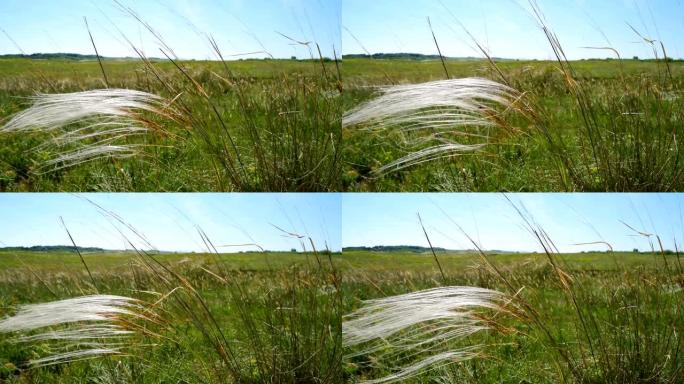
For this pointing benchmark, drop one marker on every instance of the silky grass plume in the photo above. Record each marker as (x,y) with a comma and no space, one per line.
(434,111)
(90,124)
(77,328)
(417,331)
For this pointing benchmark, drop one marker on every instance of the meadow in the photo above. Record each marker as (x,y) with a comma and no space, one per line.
(590,125)
(598,317)
(257,317)
(275,125)
(252,125)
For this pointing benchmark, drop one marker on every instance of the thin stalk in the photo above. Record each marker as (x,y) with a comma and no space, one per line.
(97,54)
(78,252)
(441,57)
(441,271)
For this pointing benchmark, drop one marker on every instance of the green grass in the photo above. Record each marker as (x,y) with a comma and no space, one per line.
(633,155)
(107,260)
(283,116)
(287,304)
(279,313)
(621,291)
(454,261)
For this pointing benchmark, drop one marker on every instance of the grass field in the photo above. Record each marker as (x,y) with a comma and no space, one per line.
(253,125)
(280,314)
(612,127)
(241,318)
(283,118)
(630,301)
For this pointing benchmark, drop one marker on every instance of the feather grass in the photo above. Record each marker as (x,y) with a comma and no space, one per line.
(83,335)
(109,116)
(70,357)
(458,101)
(432,109)
(418,325)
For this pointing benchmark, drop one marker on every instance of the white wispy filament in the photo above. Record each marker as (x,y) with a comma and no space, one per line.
(436,109)
(89,326)
(95,122)
(417,331)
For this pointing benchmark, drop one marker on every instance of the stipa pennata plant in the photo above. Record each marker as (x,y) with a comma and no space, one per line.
(436,116)
(219,125)
(80,328)
(628,129)
(628,328)
(544,319)
(89,125)
(630,132)
(412,333)
(608,125)
(209,319)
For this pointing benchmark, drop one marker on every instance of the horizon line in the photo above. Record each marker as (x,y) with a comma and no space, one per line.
(437,57)
(103,250)
(92,57)
(398,56)
(442,249)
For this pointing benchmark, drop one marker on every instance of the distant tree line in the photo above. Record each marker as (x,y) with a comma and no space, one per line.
(52,248)
(419,56)
(51,56)
(394,248)
(79,57)
(402,56)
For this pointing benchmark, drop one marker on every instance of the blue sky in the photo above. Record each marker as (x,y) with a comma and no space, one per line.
(390,219)
(239,26)
(507,28)
(168,221)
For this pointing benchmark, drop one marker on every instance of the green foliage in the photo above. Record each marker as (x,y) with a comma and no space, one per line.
(249,125)
(628,141)
(278,312)
(631,304)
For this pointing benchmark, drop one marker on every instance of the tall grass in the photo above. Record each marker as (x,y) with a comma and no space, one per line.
(105,119)
(630,131)
(574,325)
(436,113)
(76,327)
(421,329)
(618,133)
(275,133)
(213,323)
(625,332)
